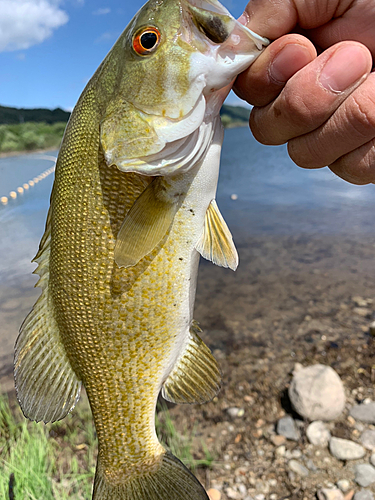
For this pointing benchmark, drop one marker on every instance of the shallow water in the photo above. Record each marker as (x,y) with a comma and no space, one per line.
(275,201)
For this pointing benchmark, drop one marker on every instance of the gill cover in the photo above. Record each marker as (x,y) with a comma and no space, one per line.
(159,122)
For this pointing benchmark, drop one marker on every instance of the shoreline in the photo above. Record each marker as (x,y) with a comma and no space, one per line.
(10,154)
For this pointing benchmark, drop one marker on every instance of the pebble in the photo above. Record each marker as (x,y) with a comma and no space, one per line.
(364,412)
(235,412)
(364,474)
(298,468)
(318,434)
(362,311)
(343,449)
(368,439)
(232,494)
(286,427)
(364,495)
(330,494)
(344,485)
(349,495)
(317,393)
(278,440)
(260,496)
(372,459)
(280,451)
(214,494)
(372,329)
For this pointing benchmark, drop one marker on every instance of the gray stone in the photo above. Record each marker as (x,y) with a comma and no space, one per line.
(298,468)
(317,393)
(368,439)
(286,427)
(344,485)
(343,449)
(318,434)
(330,494)
(364,495)
(364,412)
(372,459)
(364,474)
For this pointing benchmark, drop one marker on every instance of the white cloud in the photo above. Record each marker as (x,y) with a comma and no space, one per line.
(28,22)
(102,12)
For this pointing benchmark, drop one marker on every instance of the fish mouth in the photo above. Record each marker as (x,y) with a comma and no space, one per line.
(217,24)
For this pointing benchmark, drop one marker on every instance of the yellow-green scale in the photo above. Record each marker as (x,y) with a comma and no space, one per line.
(119,326)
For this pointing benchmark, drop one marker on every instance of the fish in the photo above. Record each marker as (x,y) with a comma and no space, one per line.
(132,209)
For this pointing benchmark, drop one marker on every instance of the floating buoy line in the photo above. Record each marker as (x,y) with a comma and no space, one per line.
(31,183)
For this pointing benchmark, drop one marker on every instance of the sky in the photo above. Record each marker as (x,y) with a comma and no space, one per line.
(49,49)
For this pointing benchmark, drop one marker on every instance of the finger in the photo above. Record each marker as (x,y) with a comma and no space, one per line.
(357,167)
(266,77)
(311,96)
(272,18)
(351,126)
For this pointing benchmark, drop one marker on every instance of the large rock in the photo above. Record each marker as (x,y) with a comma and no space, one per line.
(317,393)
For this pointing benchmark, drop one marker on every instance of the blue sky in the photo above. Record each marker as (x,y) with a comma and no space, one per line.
(49,49)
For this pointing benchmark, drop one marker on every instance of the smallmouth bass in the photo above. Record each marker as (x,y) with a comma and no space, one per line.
(132,208)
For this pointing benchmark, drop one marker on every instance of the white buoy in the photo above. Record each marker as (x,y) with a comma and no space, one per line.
(31,183)
(25,186)
(20,190)
(13,195)
(4,200)
(234,196)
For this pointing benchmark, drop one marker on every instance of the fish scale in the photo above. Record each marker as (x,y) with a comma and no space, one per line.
(132,208)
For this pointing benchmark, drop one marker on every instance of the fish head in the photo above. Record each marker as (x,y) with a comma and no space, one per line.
(169,71)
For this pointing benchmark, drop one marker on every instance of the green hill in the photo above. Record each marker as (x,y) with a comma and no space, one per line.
(30,129)
(10,116)
(234,116)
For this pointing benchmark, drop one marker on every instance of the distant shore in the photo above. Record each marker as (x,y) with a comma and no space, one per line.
(8,154)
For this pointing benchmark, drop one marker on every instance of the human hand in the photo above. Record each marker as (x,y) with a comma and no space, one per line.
(322,106)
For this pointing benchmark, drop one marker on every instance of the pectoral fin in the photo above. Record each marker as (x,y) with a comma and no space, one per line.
(216,243)
(144,226)
(196,377)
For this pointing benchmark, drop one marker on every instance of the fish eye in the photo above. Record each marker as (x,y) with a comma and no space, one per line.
(146,40)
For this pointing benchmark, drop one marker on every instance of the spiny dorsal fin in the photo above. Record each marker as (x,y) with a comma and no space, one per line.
(144,226)
(196,376)
(46,385)
(216,243)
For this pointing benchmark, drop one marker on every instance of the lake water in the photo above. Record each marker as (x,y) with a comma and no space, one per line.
(274,197)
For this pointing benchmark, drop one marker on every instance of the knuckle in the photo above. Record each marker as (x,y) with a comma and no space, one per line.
(361,115)
(306,153)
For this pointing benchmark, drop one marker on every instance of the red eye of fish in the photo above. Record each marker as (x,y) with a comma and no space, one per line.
(146,40)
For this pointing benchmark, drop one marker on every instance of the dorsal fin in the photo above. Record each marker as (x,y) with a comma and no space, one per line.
(46,385)
(196,376)
(216,242)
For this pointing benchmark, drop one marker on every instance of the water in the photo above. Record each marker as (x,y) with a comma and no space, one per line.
(274,197)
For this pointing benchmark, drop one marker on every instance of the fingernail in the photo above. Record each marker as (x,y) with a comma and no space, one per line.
(288,61)
(345,67)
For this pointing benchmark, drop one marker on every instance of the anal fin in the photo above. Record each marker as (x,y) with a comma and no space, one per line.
(196,376)
(216,242)
(46,385)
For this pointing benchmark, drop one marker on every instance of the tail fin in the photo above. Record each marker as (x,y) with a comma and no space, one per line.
(171,481)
